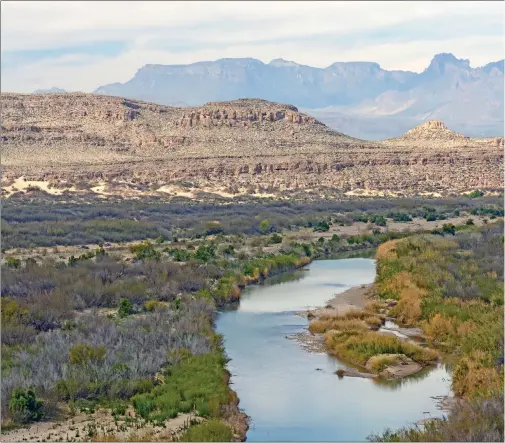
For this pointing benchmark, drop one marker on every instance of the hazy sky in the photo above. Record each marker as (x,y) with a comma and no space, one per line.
(83,45)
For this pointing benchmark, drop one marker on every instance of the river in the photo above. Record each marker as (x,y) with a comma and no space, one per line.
(294,395)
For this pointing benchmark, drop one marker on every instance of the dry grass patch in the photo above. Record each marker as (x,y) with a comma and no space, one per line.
(352,320)
(378,363)
(358,346)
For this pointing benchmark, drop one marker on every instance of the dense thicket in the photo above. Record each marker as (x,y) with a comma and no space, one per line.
(453,287)
(98,330)
(31,221)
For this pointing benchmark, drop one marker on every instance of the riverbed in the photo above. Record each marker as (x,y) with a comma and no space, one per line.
(294,395)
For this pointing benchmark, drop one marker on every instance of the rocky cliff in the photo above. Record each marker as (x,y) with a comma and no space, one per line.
(63,139)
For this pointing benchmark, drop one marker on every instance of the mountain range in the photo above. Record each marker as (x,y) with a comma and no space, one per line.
(53,90)
(358,98)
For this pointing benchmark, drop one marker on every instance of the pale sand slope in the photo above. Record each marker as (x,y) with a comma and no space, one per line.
(99,425)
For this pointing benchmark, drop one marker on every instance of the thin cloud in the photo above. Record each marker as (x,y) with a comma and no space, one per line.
(397,35)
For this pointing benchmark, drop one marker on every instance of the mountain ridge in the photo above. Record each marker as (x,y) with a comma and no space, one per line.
(75,141)
(343,95)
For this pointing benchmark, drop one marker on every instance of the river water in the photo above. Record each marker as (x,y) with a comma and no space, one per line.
(294,395)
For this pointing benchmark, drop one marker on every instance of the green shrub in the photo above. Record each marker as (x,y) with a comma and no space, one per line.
(448,228)
(24,406)
(145,251)
(476,194)
(322,226)
(82,354)
(205,252)
(335,238)
(276,238)
(12,262)
(264,226)
(125,308)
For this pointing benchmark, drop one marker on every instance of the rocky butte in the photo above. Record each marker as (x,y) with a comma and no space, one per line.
(66,138)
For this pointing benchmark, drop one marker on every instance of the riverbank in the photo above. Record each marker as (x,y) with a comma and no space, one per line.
(452,288)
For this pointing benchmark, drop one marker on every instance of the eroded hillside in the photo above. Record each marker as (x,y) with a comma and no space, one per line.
(239,146)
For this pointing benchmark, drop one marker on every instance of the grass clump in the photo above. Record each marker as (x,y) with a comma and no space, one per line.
(196,383)
(359,346)
(477,420)
(352,320)
(378,363)
(213,430)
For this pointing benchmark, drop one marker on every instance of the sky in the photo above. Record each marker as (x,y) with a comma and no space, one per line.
(79,46)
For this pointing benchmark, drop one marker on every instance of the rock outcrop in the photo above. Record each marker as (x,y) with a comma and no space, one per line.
(244,143)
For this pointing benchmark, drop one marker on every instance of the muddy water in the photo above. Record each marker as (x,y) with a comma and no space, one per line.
(293,395)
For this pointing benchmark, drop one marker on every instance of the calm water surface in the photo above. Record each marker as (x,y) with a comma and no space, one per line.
(293,395)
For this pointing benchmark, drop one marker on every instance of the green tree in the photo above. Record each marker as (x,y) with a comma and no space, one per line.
(125,308)
(24,406)
(265,226)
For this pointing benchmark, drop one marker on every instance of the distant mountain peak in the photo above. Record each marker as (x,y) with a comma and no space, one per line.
(373,66)
(281,63)
(53,90)
(440,61)
(432,130)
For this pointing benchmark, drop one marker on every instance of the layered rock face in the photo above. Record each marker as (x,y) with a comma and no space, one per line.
(242,143)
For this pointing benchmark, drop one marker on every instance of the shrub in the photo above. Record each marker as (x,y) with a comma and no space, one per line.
(276,238)
(145,251)
(152,305)
(449,228)
(335,238)
(264,226)
(322,226)
(476,193)
(205,252)
(83,354)
(12,262)
(125,308)
(24,406)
